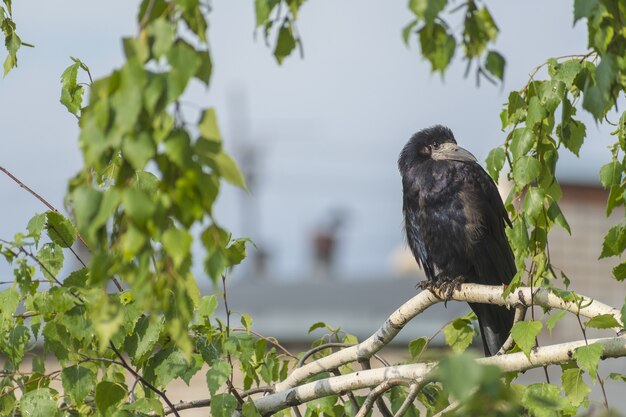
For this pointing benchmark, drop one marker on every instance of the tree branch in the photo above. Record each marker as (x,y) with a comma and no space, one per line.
(292,391)
(542,356)
(475,293)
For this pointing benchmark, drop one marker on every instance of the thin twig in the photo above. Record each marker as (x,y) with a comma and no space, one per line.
(145,382)
(376,393)
(582,328)
(229,380)
(350,394)
(206,402)
(37,196)
(269,339)
(52,208)
(414,389)
(380,402)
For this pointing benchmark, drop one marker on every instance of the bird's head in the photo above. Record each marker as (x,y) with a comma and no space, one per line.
(436,143)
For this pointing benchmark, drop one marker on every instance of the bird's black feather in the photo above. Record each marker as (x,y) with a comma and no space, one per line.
(455,220)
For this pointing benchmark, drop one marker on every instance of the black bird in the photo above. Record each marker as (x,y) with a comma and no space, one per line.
(454,220)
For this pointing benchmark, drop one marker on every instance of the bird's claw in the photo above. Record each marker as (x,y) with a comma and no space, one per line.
(424,285)
(446,288)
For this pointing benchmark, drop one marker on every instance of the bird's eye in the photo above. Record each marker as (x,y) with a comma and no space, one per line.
(435,146)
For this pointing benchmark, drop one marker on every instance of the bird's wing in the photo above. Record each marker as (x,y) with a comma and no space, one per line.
(414,234)
(486,218)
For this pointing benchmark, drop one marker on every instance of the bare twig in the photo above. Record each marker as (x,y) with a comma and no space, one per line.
(414,389)
(52,208)
(584,332)
(380,402)
(229,380)
(520,313)
(376,394)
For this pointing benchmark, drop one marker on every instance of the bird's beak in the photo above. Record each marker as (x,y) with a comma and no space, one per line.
(452,152)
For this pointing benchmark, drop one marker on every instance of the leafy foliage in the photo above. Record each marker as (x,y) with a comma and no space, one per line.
(151,178)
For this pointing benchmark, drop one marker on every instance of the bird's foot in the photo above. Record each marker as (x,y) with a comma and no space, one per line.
(424,285)
(447,287)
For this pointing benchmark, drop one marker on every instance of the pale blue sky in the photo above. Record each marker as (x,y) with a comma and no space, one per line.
(329,127)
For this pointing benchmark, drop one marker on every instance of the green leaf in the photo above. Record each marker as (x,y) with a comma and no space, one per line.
(207,307)
(495,63)
(518,236)
(417,346)
(246,322)
(71,92)
(597,97)
(136,48)
(17,337)
(249,409)
(603,321)
(542,399)
(516,108)
(495,162)
(427,10)
(614,242)
(139,206)
(611,174)
(205,70)
(144,338)
(78,381)
(51,258)
(524,334)
(554,319)
(263,9)
(525,170)
(285,44)
(619,272)
(138,150)
(617,377)
(536,112)
(185,63)
(567,71)
(588,357)
(164,34)
(168,364)
(584,8)
(437,45)
(207,126)
(38,403)
(572,135)
(177,244)
(60,230)
(217,375)
(534,202)
(574,386)
(556,215)
(459,334)
(522,140)
(319,325)
(109,394)
(228,169)
(408,30)
(449,369)
(36,225)
(223,405)
(623,314)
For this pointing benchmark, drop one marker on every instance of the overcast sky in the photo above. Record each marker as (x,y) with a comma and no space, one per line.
(328,128)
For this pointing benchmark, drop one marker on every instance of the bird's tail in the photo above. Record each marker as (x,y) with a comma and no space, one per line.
(495,325)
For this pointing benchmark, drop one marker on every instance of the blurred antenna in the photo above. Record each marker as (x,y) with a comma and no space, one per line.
(247,154)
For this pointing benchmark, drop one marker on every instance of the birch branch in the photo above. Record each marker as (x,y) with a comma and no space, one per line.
(415,373)
(475,293)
